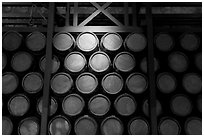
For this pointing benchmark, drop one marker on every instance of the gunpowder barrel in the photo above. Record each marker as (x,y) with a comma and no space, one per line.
(164,41)
(189,41)
(9,82)
(12,40)
(138,126)
(193,126)
(7,126)
(29,126)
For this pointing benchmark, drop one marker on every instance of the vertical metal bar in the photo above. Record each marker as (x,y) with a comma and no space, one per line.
(134,14)
(68,14)
(152,97)
(48,69)
(75,20)
(126,14)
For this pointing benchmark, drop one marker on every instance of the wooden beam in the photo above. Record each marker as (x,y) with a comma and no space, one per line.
(134,13)
(67,14)
(152,96)
(24,29)
(75,20)
(126,15)
(48,68)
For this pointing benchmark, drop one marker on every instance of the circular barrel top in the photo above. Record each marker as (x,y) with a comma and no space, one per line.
(36,41)
(53,106)
(86,83)
(61,83)
(4,60)
(112,83)
(193,126)
(125,105)
(7,126)
(85,125)
(112,126)
(21,61)
(12,40)
(87,41)
(124,62)
(111,41)
(166,82)
(138,126)
(135,42)
(169,126)
(198,61)
(164,41)
(29,126)
(143,65)
(18,105)
(99,105)
(73,104)
(75,62)
(9,83)
(181,105)
(32,82)
(178,61)
(59,125)
(55,64)
(145,107)
(189,41)
(192,83)
(136,83)
(63,41)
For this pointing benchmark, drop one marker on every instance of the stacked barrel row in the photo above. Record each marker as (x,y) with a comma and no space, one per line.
(179,82)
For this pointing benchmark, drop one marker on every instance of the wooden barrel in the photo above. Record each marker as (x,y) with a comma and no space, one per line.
(53,106)
(99,105)
(4,60)
(198,61)
(112,83)
(143,65)
(112,126)
(32,82)
(169,126)
(199,103)
(63,41)
(36,41)
(85,125)
(136,83)
(124,62)
(135,42)
(193,126)
(55,64)
(164,41)
(87,41)
(145,107)
(7,126)
(59,125)
(189,41)
(18,105)
(138,126)
(73,104)
(111,41)
(86,83)
(61,83)
(21,61)
(178,61)
(9,82)
(125,105)
(166,82)
(99,62)
(29,126)
(75,62)
(12,40)
(181,105)
(192,83)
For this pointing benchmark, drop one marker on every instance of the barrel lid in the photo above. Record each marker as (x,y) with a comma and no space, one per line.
(4,60)
(85,125)
(112,83)
(164,41)
(29,126)
(111,41)
(143,64)
(73,104)
(7,126)
(63,41)
(36,41)
(21,61)
(32,82)
(124,61)
(193,126)
(137,83)
(192,83)
(87,41)
(189,41)
(99,61)
(18,105)
(75,61)
(12,40)
(99,105)
(138,126)
(9,82)
(198,61)
(55,64)
(136,42)
(145,107)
